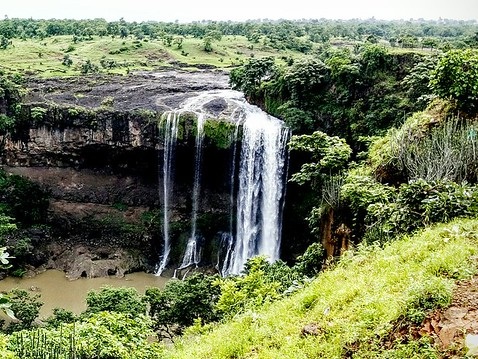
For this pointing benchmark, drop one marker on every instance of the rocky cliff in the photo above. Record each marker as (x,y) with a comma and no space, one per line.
(93,143)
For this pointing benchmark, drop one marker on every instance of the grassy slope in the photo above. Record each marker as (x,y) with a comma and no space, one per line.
(354,305)
(44,57)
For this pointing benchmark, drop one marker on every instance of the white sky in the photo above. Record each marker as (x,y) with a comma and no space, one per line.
(238,10)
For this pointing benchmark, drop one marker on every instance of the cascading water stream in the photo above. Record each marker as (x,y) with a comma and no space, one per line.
(192,254)
(169,125)
(261,188)
(227,238)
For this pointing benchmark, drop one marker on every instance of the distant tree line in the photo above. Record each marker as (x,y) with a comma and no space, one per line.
(281,34)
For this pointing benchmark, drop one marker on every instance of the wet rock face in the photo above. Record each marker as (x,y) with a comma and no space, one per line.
(101,164)
(216,106)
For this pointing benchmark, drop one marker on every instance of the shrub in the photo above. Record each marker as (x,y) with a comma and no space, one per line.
(22,199)
(104,335)
(88,67)
(456,76)
(421,203)
(310,263)
(182,302)
(25,307)
(120,300)
(249,291)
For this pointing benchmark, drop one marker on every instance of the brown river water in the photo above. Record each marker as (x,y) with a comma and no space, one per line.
(59,292)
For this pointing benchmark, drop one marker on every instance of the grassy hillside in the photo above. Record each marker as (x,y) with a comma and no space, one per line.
(352,309)
(45,57)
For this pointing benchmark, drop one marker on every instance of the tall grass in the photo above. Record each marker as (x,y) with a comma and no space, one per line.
(354,306)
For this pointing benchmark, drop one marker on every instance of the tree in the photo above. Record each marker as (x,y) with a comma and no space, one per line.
(329,155)
(456,77)
(305,78)
(209,38)
(120,300)
(182,302)
(178,40)
(124,32)
(248,78)
(4,42)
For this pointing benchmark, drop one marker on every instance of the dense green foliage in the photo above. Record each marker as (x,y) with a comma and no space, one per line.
(420,203)
(338,91)
(339,85)
(329,156)
(11,93)
(22,199)
(104,335)
(456,77)
(120,300)
(279,34)
(26,309)
(182,302)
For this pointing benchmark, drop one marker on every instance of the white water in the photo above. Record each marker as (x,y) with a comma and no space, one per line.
(227,238)
(261,176)
(261,188)
(170,128)
(192,254)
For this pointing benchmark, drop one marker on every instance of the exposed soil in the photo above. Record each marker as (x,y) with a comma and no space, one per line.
(449,326)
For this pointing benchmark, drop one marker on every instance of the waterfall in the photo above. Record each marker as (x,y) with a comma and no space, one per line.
(261,188)
(169,127)
(192,254)
(224,265)
(257,189)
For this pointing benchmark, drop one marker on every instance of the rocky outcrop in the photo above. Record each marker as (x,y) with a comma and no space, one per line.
(88,262)
(93,143)
(156,91)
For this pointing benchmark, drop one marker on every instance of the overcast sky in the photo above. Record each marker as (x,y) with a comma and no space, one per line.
(239,10)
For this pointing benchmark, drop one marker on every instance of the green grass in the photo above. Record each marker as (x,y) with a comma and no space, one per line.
(354,305)
(44,57)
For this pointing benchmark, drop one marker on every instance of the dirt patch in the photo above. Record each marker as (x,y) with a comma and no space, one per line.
(448,327)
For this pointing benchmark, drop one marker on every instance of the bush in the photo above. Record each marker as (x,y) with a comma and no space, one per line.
(104,335)
(88,67)
(182,302)
(421,203)
(22,199)
(26,309)
(119,300)
(456,76)
(61,316)
(310,263)
(249,291)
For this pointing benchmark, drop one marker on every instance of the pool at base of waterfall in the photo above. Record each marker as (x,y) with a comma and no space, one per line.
(57,291)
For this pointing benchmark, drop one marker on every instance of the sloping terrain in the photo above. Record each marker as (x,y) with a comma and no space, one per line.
(353,309)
